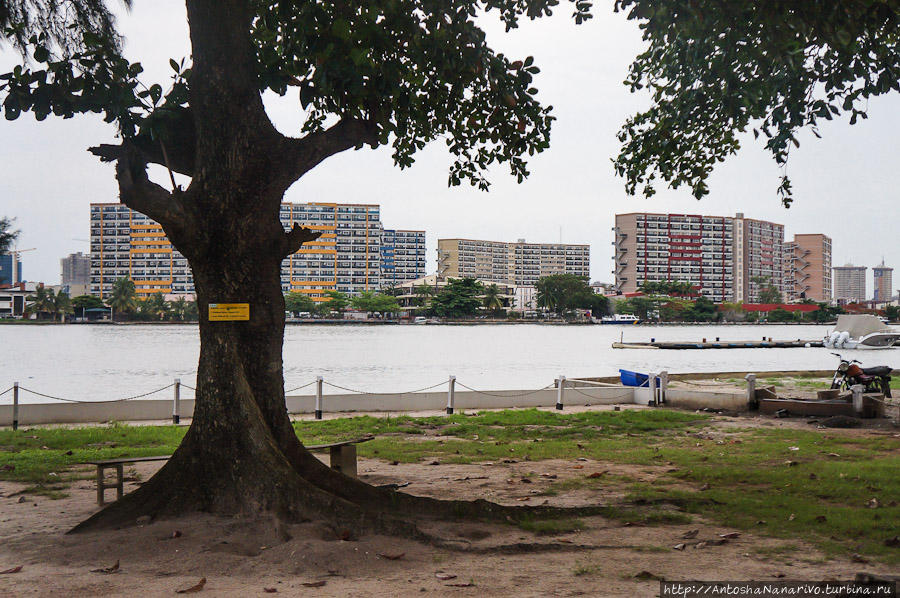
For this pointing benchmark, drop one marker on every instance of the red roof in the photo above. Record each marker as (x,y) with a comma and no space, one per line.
(766,307)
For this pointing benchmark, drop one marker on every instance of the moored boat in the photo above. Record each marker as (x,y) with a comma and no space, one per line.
(861,331)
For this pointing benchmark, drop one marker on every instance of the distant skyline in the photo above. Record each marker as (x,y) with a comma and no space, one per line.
(845,184)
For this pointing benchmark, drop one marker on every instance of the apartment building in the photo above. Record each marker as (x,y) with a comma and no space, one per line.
(884,283)
(345,258)
(518,264)
(402,256)
(849,284)
(807,268)
(75,273)
(725,258)
(758,255)
(682,247)
(128,244)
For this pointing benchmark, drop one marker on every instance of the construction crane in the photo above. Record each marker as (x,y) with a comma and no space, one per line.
(15,263)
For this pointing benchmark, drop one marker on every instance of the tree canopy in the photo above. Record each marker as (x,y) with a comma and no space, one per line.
(561,293)
(7,234)
(715,70)
(459,299)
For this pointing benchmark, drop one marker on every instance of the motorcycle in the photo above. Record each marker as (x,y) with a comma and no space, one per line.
(850,373)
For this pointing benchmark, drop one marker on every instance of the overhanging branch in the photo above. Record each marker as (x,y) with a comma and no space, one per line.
(139,193)
(303,154)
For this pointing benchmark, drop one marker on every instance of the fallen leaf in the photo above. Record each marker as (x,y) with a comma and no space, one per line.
(549,476)
(778,575)
(647,575)
(761,522)
(444,576)
(270,590)
(679,546)
(564,540)
(314,584)
(596,474)
(468,584)
(730,535)
(524,498)
(791,463)
(833,455)
(13,570)
(578,467)
(193,589)
(873,503)
(792,517)
(107,570)
(392,557)
(858,558)
(690,534)
(526,481)
(793,448)
(700,545)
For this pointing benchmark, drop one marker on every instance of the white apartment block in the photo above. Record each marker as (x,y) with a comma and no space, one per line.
(518,264)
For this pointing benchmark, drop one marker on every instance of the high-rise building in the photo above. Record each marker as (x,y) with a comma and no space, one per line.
(402,256)
(676,247)
(807,268)
(519,263)
(758,253)
(345,258)
(10,272)
(849,284)
(724,258)
(884,283)
(76,273)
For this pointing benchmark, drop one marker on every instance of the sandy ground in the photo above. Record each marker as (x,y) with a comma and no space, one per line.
(240,558)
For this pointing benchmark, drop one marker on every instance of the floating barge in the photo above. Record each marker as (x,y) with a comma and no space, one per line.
(767,344)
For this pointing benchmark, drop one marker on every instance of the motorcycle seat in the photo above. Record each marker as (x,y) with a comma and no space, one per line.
(878,370)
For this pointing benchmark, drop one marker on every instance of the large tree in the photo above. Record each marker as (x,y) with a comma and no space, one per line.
(7,235)
(368,73)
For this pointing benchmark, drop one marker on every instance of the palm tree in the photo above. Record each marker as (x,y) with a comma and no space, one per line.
(62,305)
(122,299)
(492,299)
(43,301)
(7,235)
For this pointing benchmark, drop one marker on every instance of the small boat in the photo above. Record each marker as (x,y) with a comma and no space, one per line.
(617,319)
(630,378)
(861,331)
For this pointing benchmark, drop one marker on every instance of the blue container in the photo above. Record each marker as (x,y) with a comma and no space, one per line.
(630,378)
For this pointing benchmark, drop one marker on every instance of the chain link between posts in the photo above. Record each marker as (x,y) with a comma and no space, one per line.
(364,392)
(523,394)
(146,394)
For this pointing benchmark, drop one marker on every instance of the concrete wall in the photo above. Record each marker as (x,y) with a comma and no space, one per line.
(145,410)
(699,399)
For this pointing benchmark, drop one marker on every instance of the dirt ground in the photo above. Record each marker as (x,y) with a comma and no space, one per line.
(240,558)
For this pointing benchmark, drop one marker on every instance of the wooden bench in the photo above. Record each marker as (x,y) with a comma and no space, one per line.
(342,459)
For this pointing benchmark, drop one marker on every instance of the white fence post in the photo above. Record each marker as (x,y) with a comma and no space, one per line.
(752,403)
(176,404)
(318,397)
(15,405)
(651,384)
(663,385)
(559,392)
(451,394)
(857,390)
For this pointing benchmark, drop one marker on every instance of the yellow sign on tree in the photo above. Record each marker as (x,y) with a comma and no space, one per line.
(229,312)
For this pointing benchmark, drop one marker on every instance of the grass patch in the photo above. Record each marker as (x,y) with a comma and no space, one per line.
(834,475)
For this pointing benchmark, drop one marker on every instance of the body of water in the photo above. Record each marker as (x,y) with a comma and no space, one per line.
(84,362)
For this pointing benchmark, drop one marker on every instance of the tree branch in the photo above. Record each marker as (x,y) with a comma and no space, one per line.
(178,134)
(303,154)
(296,237)
(139,193)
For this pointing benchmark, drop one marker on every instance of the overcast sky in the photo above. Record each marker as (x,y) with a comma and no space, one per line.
(846,184)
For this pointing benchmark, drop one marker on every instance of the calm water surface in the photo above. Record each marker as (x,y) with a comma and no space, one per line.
(109,362)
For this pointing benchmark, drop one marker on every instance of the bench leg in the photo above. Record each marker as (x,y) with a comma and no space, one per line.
(343,459)
(100,485)
(120,481)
